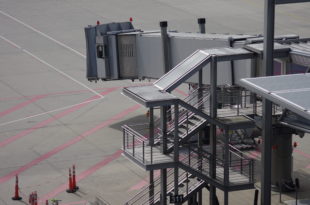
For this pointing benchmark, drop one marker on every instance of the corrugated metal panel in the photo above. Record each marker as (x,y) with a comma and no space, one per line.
(289,91)
(300,52)
(182,71)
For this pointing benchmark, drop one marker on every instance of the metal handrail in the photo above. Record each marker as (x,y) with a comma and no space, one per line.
(136,137)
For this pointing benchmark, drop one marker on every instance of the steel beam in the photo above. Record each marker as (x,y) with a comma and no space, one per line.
(163,118)
(213,114)
(267,105)
(151,141)
(176,148)
(163,186)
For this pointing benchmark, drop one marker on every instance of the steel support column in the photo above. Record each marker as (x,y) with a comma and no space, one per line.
(163,118)
(163,186)
(267,105)
(151,141)
(213,114)
(176,149)
(151,189)
(226,165)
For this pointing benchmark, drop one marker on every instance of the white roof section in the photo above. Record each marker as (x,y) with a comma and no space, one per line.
(289,91)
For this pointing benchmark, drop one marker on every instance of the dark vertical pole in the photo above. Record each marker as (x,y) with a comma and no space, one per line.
(202,29)
(176,148)
(226,166)
(151,126)
(226,197)
(213,114)
(165,45)
(163,183)
(163,117)
(166,54)
(202,25)
(256,197)
(163,172)
(151,141)
(267,105)
(151,188)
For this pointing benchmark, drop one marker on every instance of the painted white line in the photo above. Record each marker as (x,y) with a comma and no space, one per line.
(48,112)
(10,42)
(53,67)
(43,34)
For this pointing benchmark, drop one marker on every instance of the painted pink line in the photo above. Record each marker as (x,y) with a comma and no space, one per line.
(52,94)
(67,144)
(21,105)
(254,154)
(302,153)
(143,182)
(181,92)
(49,120)
(83,175)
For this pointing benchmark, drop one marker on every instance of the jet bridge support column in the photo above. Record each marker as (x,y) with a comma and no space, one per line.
(165,46)
(213,114)
(282,160)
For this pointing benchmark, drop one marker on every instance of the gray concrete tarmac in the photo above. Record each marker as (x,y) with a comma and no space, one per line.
(50,117)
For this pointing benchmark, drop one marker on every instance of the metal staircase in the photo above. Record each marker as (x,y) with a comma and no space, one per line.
(136,143)
(188,185)
(241,168)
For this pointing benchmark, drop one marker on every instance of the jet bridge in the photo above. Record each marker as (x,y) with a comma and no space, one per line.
(118,51)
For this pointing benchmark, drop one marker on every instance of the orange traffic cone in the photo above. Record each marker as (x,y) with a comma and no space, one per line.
(70,190)
(73,179)
(16,195)
(35,200)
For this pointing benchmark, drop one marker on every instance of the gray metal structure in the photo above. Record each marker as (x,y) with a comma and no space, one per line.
(216,113)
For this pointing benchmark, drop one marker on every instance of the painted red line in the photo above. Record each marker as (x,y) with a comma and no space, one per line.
(49,120)
(52,94)
(302,153)
(143,182)
(181,92)
(67,144)
(21,105)
(84,174)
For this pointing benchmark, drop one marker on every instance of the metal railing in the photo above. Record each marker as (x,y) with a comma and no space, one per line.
(135,144)
(241,168)
(143,197)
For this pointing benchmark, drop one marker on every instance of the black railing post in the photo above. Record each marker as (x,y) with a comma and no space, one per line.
(124,146)
(151,154)
(297,187)
(241,166)
(143,151)
(133,145)
(256,196)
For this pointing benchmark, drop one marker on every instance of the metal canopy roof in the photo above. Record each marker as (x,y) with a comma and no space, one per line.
(300,52)
(279,50)
(228,54)
(289,91)
(150,96)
